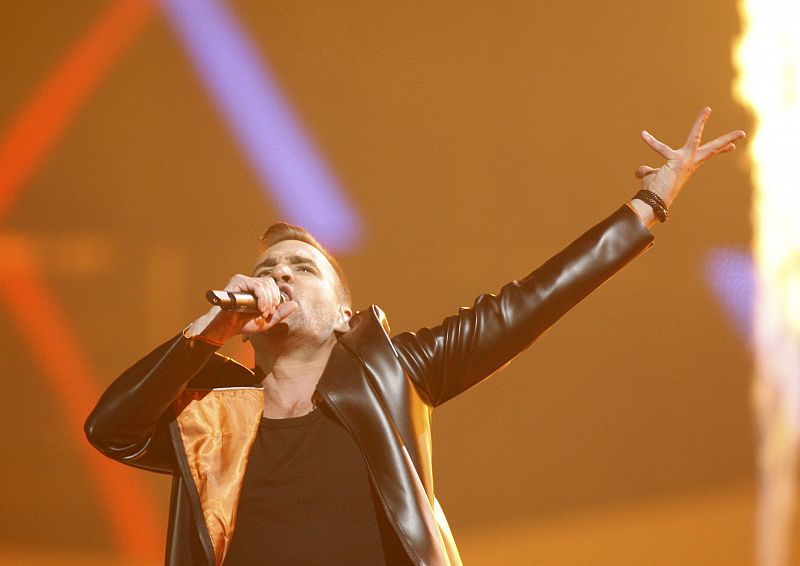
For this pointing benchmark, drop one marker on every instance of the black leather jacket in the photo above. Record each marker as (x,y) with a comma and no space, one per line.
(185,410)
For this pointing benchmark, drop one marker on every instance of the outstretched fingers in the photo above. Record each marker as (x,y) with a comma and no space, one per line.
(722,144)
(697,128)
(661,148)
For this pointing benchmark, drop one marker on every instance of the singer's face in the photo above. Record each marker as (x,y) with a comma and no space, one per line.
(306,276)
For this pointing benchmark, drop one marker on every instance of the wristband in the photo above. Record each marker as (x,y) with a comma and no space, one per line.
(656,203)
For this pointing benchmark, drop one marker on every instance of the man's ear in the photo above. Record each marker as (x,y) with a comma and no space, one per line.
(345,313)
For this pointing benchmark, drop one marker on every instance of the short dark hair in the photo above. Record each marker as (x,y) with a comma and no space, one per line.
(281,231)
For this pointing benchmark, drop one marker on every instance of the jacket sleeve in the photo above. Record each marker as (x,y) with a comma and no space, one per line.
(465,349)
(129,423)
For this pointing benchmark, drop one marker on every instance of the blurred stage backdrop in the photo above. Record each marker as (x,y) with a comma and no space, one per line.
(441,149)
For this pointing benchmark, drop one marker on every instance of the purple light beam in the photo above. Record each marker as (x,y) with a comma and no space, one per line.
(731,274)
(282,154)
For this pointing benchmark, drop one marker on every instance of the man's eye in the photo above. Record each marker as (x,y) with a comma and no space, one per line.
(264,274)
(305,268)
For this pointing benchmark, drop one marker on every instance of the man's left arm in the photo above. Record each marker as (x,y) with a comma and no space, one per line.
(466,348)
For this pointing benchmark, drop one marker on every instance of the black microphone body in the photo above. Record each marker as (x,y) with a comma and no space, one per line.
(236,301)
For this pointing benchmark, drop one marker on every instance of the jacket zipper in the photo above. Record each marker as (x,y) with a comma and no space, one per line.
(411,554)
(183,464)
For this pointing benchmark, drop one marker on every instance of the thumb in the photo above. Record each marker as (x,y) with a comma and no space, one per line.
(643,171)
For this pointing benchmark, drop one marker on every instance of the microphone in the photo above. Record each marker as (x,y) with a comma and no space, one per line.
(237,302)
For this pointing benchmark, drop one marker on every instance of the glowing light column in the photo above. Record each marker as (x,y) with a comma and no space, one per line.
(768,60)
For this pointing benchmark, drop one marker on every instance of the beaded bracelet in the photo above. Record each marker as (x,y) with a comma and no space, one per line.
(656,203)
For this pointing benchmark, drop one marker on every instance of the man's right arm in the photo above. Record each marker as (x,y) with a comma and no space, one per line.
(129,422)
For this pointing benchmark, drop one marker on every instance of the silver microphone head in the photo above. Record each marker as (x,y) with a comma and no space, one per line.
(237,301)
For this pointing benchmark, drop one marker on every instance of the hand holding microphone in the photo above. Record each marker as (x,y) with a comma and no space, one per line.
(247,305)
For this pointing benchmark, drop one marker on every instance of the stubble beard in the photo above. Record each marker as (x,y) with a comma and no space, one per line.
(300,331)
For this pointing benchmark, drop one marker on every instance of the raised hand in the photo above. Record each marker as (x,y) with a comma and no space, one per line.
(668,180)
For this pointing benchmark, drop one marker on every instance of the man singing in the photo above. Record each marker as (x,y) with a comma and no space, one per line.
(322,453)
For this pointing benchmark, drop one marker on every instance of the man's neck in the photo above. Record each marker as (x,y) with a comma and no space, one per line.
(290,378)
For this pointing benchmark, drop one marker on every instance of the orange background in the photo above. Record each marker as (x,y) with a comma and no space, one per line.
(475,140)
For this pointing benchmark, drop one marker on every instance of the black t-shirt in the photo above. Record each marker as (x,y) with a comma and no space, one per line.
(307,500)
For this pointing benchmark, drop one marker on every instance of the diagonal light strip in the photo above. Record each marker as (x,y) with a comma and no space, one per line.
(40,124)
(59,357)
(275,143)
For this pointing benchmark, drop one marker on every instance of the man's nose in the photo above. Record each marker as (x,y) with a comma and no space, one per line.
(282,272)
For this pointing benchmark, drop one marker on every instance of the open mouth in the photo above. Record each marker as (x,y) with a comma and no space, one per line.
(286,290)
